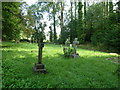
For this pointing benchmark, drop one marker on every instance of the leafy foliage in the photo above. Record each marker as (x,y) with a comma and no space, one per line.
(112,38)
(68,52)
(98,24)
(101,28)
(11,20)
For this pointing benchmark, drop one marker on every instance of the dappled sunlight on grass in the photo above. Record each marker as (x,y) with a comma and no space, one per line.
(91,70)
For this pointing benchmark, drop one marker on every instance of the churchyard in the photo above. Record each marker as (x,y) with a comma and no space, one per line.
(91,70)
(60,44)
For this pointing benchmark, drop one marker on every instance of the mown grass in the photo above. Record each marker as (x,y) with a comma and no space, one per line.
(91,70)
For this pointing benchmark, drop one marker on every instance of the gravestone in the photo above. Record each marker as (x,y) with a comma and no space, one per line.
(67,42)
(65,49)
(39,67)
(70,49)
(75,54)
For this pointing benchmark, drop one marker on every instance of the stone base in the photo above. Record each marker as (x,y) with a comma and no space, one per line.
(39,68)
(75,55)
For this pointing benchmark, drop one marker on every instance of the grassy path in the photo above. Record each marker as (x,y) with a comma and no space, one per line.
(91,70)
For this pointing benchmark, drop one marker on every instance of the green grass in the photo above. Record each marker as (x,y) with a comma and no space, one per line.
(91,70)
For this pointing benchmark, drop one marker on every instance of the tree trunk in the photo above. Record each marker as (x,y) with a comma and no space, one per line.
(84,14)
(71,11)
(75,17)
(61,20)
(51,34)
(54,12)
(118,12)
(79,25)
(110,7)
(106,8)
(71,34)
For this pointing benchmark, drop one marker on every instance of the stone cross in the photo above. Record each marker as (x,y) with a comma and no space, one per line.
(39,67)
(75,42)
(40,45)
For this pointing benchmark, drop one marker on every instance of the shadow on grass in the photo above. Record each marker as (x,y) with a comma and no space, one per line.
(27,58)
(5,46)
(92,71)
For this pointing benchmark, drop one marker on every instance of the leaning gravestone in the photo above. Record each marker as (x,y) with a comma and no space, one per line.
(66,49)
(67,42)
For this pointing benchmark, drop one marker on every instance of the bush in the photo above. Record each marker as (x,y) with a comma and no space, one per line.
(113,38)
(109,38)
(68,51)
(97,38)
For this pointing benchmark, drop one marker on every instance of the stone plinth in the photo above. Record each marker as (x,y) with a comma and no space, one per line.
(39,68)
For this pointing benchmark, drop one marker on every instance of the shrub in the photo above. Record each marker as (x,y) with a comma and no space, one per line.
(68,51)
(112,39)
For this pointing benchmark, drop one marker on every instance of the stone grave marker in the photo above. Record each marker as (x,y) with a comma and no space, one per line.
(39,67)
(67,43)
(75,54)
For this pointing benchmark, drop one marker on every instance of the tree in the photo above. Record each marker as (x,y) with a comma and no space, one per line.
(52,8)
(62,39)
(85,9)
(11,20)
(110,7)
(118,11)
(54,24)
(84,24)
(39,34)
(75,16)
(37,15)
(51,34)
(28,21)
(72,24)
(80,23)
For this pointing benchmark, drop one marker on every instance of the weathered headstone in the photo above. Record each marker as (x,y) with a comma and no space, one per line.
(39,67)
(67,42)
(75,54)
(65,49)
(70,49)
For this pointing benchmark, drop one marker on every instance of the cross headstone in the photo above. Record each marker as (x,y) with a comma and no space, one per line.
(75,42)
(39,67)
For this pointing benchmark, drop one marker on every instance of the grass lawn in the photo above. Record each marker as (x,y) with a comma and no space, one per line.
(91,70)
